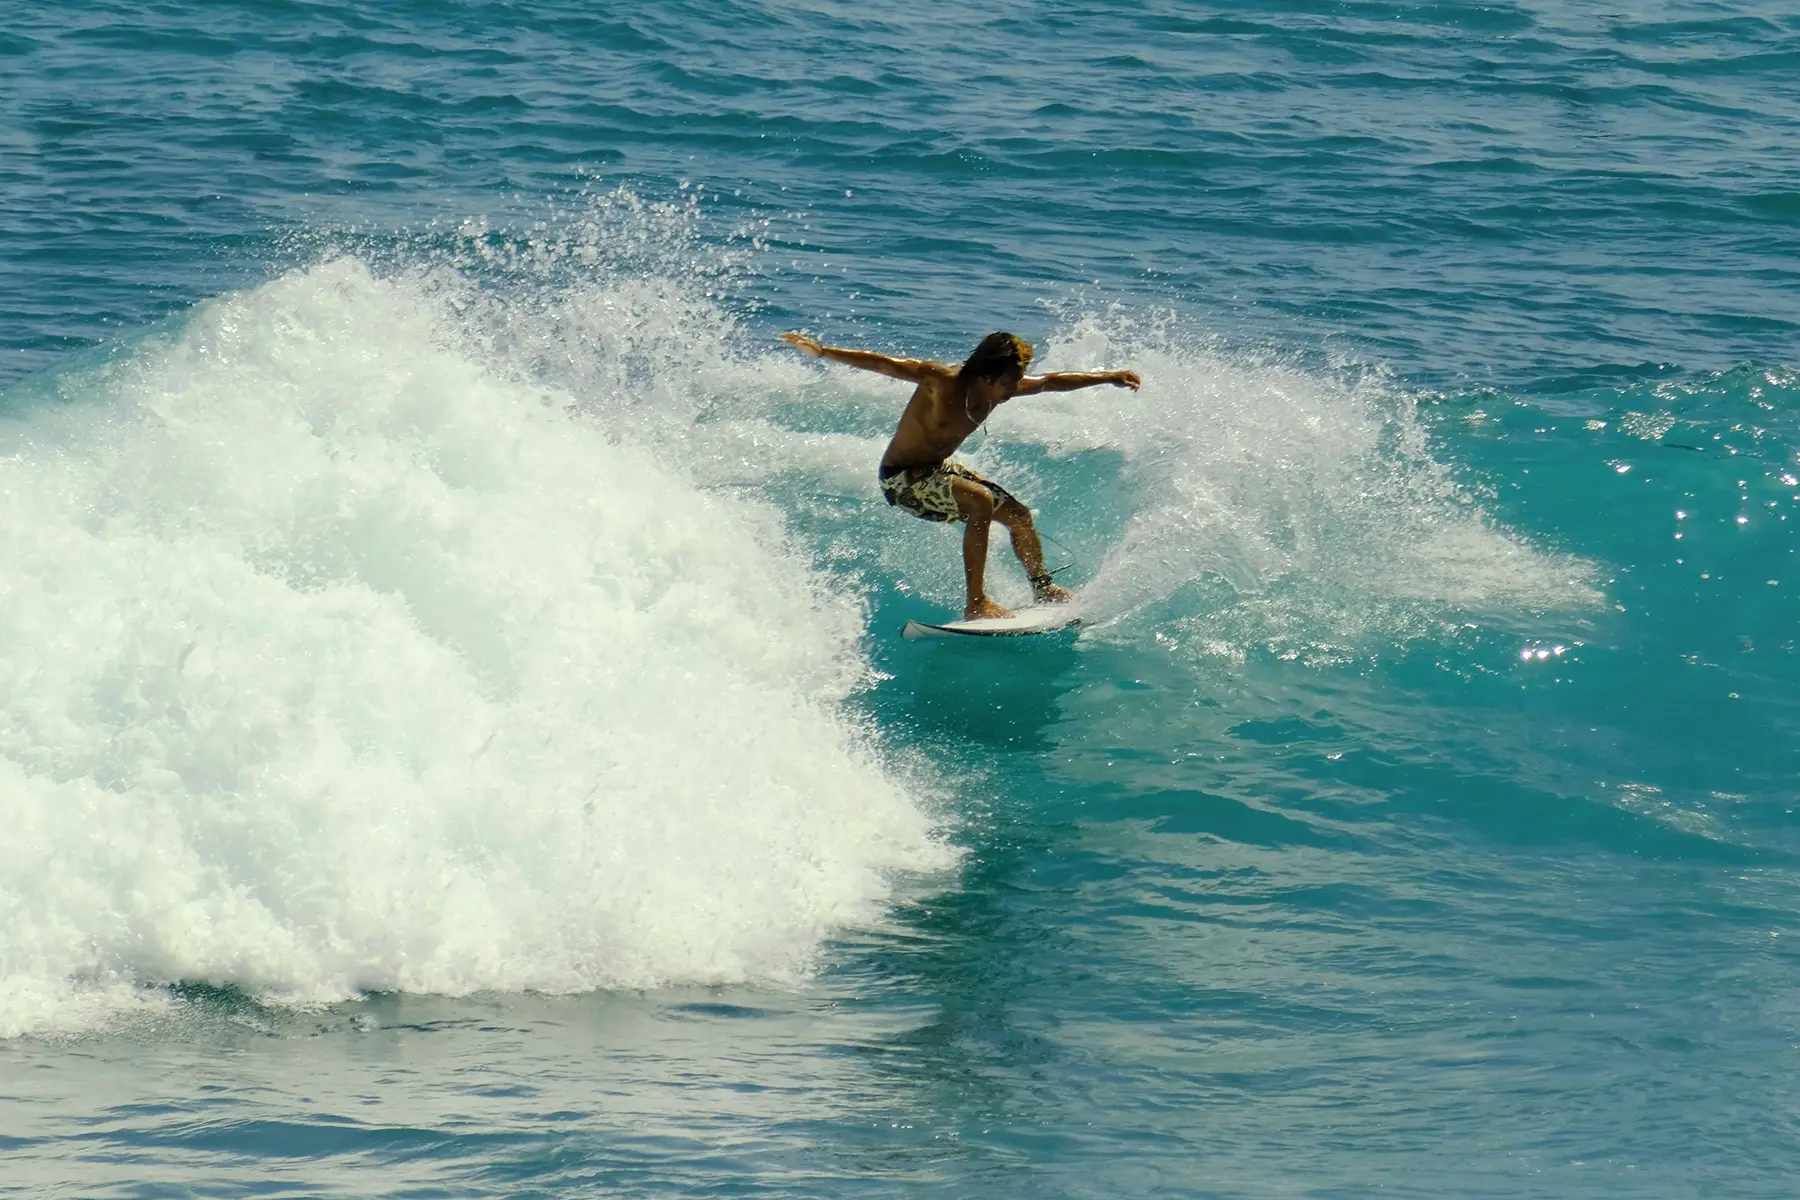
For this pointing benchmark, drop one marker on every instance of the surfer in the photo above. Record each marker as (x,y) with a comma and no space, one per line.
(948,405)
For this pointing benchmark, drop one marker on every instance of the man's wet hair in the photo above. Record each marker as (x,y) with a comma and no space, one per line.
(998,355)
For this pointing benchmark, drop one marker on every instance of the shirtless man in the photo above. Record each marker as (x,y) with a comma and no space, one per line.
(948,405)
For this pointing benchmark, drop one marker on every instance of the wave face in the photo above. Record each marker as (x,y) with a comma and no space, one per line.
(344,658)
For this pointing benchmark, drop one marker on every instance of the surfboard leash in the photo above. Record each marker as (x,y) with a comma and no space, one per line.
(1060,546)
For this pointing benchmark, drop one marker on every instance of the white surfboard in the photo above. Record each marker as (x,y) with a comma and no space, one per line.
(1039,618)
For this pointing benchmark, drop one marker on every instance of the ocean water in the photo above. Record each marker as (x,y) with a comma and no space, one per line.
(455,738)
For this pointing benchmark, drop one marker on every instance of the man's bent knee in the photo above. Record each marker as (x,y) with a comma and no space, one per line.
(975,503)
(1010,512)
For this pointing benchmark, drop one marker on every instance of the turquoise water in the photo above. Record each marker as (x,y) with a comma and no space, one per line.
(454,734)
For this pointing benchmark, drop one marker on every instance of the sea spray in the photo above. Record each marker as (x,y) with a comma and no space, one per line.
(1265,503)
(342,655)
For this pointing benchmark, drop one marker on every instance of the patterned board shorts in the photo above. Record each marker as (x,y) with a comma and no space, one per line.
(925,491)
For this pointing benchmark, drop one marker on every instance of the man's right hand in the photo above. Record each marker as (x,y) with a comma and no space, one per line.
(801,342)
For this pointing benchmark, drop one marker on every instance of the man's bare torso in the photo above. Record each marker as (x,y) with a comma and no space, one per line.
(946,408)
(937,420)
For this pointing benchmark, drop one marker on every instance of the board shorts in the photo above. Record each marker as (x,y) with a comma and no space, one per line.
(925,491)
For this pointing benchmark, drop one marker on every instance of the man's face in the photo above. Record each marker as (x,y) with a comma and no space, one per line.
(1006,386)
(989,392)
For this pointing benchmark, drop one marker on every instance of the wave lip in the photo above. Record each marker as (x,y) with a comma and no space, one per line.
(340,658)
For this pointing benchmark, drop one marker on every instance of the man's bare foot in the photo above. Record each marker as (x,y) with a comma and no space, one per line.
(1051,594)
(981,606)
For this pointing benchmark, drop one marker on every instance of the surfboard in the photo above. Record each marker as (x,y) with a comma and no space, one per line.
(1039,618)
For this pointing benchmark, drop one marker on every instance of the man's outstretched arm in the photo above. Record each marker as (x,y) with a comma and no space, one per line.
(913,370)
(1069,381)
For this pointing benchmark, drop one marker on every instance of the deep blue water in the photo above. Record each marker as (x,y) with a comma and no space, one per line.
(454,734)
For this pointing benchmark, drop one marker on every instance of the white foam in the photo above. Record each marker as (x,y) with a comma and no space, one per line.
(1316,498)
(338,657)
